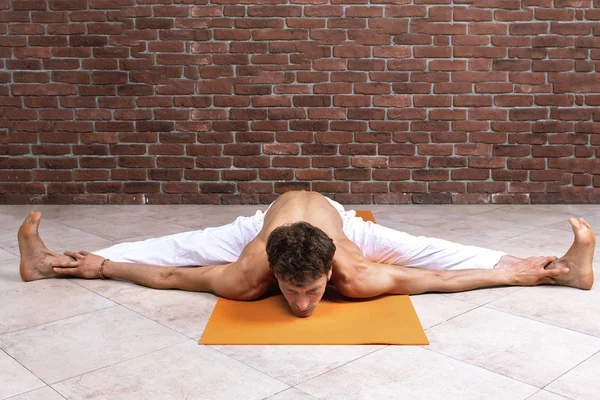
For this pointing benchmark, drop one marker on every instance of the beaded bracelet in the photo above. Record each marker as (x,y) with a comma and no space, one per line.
(100,274)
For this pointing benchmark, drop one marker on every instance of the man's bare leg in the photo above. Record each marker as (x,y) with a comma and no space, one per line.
(579,258)
(36,258)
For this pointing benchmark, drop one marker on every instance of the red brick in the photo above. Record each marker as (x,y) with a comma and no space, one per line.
(352,174)
(470,174)
(391,198)
(442,187)
(527,114)
(408,187)
(486,187)
(391,174)
(432,198)
(314,174)
(369,162)
(431,175)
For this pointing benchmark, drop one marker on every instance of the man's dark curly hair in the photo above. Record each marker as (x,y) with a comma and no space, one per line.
(300,252)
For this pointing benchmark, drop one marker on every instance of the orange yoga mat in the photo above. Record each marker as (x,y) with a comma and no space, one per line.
(335,321)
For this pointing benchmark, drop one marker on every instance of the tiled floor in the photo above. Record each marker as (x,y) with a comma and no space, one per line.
(79,339)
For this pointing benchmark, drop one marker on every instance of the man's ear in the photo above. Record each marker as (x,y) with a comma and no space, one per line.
(329,274)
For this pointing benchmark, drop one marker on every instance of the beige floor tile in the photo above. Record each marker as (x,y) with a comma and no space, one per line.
(560,306)
(76,345)
(517,347)
(291,394)
(478,231)
(483,296)
(14,378)
(542,241)
(10,226)
(184,312)
(195,217)
(447,209)
(45,301)
(433,309)
(581,383)
(17,209)
(398,372)
(183,371)
(524,215)
(56,211)
(399,225)
(177,211)
(5,257)
(56,236)
(593,221)
(9,275)
(573,210)
(113,289)
(418,216)
(45,393)
(151,209)
(61,239)
(122,225)
(546,395)
(295,364)
(466,237)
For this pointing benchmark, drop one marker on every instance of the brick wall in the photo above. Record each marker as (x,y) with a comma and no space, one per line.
(392,101)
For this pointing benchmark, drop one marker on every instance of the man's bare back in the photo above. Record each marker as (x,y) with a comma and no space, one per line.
(296,206)
(304,206)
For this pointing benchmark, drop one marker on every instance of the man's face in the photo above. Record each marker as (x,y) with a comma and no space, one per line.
(303,299)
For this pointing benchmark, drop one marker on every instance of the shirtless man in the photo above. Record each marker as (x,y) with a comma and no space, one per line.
(303,241)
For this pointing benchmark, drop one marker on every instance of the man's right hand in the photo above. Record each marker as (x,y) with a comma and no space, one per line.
(84,265)
(531,271)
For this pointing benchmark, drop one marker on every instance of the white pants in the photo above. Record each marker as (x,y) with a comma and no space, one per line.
(224,244)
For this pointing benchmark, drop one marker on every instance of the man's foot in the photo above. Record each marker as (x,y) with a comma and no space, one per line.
(579,258)
(35,256)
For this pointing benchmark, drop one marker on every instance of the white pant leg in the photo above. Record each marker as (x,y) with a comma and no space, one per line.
(388,246)
(209,246)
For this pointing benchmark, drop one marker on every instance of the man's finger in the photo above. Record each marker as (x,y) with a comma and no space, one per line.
(547,281)
(64,271)
(83,252)
(65,264)
(556,271)
(73,254)
(545,260)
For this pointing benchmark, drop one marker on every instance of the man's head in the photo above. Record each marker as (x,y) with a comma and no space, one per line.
(301,256)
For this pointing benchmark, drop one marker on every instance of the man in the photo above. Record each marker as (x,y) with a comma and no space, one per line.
(303,241)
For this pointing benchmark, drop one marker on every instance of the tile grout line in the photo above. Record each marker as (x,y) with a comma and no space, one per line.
(566,372)
(133,311)
(249,366)
(543,322)
(291,387)
(92,311)
(112,365)
(518,316)
(31,391)
(31,372)
(341,365)
(483,368)
(458,315)
(214,349)
(544,390)
(56,320)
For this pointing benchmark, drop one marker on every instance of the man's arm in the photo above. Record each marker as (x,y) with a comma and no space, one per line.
(228,280)
(371,279)
(237,280)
